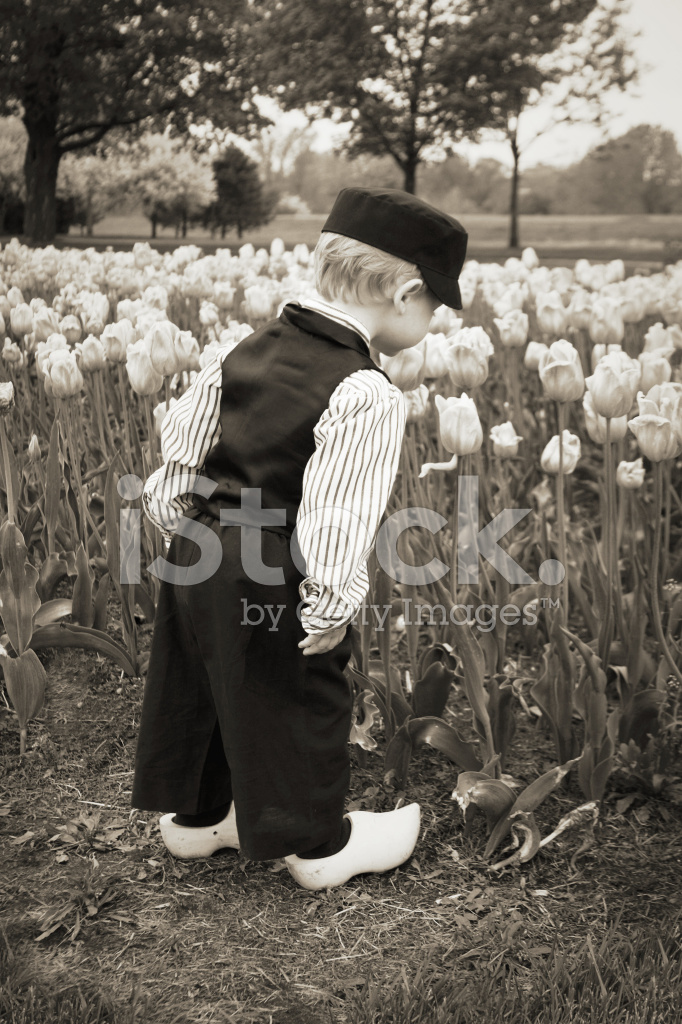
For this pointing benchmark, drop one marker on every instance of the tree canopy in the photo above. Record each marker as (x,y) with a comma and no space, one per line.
(73,70)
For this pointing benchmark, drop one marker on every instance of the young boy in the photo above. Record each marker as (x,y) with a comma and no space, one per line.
(279,462)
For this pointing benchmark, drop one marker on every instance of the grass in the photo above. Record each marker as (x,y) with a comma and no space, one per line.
(639,237)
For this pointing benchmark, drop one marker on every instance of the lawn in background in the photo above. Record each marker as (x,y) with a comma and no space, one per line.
(637,237)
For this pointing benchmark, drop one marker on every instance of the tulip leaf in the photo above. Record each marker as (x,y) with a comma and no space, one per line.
(82,589)
(428,731)
(25,680)
(19,600)
(531,797)
(430,693)
(491,796)
(99,621)
(66,634)
(51,611)
(54,568)
(30,522)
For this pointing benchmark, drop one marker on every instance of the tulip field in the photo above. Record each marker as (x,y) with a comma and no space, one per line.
(517,665)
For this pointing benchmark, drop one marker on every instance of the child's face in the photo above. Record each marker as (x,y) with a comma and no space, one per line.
(405,321)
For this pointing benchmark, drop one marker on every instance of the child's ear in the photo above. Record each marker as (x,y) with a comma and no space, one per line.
(405,290)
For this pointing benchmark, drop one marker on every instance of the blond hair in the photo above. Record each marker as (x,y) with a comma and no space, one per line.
(355,272)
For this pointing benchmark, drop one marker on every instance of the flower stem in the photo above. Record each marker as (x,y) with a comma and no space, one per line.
(561,512)
(9,483)
(656,555)
(606,631)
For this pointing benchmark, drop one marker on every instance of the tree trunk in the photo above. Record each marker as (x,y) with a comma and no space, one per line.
(514,198)
(184,223)
(410,175)
(41,165)
(153,219)
(89,219)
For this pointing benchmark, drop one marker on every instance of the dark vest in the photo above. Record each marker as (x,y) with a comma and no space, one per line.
(276,385)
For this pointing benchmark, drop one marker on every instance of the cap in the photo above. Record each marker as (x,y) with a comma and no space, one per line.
(404,226)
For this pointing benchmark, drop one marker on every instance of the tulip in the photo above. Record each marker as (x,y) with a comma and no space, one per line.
(144,380)
(45,323)
(116,338)
(596,424)
(615,270)
(606,325)
(6,397)
(277,247)
(157,296)
(160,343)
(64,374)
(246,252)
(33,451)
(513,328)
(12,354)
(258,302)
(406,369)
(659,339)
(5,308)
(529,258)
(187,351)
(71,328)
(630,475)
(45,348)
(533,354)
(549,460)
(613,385)
(467,289)
(460,427)
(551,314)
(208,314)
(599,351)
(2,325)
(15,297)
(435,349)
(223,294)
(143,256)
(98,307)
(505,440)
(416,403)
(91,354)
(476,338)
(656,369)
(561,372)
(664,400)
(467,367)
(160,412)
(633,306)
(21,319)
(301,254)
(655,437)
(580,309)
(93,325)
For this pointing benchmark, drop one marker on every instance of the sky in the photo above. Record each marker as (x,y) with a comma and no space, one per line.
(657,99)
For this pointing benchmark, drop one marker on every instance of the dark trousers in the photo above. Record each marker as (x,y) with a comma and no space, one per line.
(233,709)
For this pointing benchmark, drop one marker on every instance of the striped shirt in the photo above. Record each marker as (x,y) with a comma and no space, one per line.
(346,483)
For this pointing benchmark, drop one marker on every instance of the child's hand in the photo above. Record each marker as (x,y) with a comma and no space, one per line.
(323,642)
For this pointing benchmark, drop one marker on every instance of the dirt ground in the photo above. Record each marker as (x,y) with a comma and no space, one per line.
(94,910)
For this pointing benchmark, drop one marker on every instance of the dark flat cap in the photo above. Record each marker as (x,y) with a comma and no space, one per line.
(404,226)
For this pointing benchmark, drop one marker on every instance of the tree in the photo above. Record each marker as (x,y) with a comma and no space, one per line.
(74,69)
(12,142)
(171,183)
(96,184)
(568,55)
(638,172)
(242,202)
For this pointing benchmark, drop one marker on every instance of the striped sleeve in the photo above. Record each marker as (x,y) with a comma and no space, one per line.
(189,431)
(346,487)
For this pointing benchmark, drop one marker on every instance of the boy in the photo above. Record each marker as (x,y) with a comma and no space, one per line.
(280,460)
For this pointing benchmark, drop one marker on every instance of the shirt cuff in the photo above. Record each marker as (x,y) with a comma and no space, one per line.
(311,591)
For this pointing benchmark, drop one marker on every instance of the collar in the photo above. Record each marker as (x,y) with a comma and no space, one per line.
(339,315)
(314,322)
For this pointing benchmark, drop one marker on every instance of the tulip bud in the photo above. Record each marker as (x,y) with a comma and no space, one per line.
(656,369)
(655,437)
(71,328)
(551,314)
(435,349)
(21,319)
(505,440)
(467,367)
(561,372)
(533,354)
(529,258)
(613,385)
(65,376)
(33,452)
(416,403)
(45,323)
(116,337)
(513,328)
(549,460)
(160,344)
(160,412)
(460,427)
(187,351)
(12,354)
(91,355)
(596,424)
(630,475)
(144,380)
(277,247)
(406,369)
(606,325)
(6,397)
